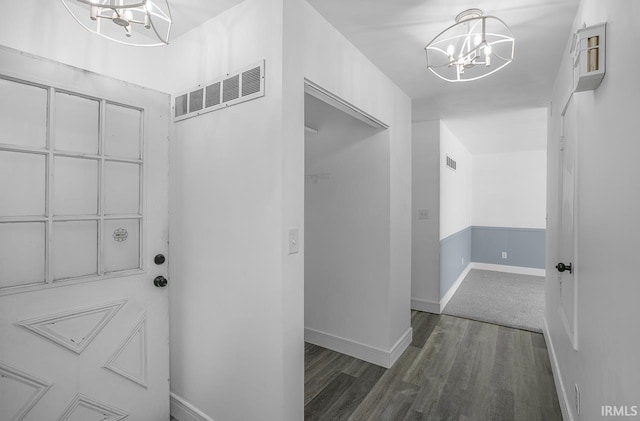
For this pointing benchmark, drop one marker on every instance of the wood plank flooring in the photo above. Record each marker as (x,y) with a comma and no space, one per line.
(455,369)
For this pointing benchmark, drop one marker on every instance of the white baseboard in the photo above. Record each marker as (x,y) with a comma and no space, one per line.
(445,300)
(359,350)
(184,411)
(400,346)
(425,305)
(557,378)
(520,270)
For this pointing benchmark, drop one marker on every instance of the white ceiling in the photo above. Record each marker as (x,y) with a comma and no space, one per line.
(187,14)
(393,34)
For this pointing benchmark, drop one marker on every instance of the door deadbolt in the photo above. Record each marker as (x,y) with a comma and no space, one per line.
(159,259)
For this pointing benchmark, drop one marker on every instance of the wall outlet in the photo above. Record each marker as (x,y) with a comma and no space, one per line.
(423,213)
(504,254)
(294,246)
(462,261)
(577,399)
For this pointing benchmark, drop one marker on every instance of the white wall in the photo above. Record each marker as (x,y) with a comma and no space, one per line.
(502,131)
(346,226)
(425,240)
(606,364)
(293,211)
(456,187)
(237,297)
(331,62)
(509,189)
(227,228)
(239,186)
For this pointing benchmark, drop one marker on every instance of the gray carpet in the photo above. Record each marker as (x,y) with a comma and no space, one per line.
(505,299)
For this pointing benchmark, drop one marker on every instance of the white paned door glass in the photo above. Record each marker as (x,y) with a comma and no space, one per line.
(83,328)
(26,198)
(122,131)
(75,186)
(22,248)
(121,188)
(76,123)
(75,249)
(23,114)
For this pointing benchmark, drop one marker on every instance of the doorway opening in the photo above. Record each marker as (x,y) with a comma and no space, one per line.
(347,214)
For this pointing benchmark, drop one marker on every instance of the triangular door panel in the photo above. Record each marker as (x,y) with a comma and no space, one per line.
(130,359)
(19,392)
(73,329)
(84,408)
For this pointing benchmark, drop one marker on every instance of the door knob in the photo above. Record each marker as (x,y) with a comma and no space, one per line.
(562,267)
(160,281)
(159,259)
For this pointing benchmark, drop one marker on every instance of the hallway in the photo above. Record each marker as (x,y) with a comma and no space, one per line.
(454,369)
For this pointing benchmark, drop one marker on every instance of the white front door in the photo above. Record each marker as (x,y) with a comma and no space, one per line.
(83,212)
(566,240)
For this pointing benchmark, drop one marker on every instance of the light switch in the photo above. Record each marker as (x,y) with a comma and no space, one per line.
(423,213)
(294,246)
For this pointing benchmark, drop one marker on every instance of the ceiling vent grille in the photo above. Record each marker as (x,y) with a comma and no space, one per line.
(222,92)
(451,163)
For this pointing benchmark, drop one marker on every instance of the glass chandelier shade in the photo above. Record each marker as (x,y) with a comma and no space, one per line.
(143,23)
(474,47)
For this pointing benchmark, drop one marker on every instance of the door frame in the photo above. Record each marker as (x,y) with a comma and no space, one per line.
(570,328)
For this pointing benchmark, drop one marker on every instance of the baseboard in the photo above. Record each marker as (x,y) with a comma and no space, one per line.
(425,305)
(520,270)
(445,300)
(359,350)
(184,411)
(557,378)
(400,346)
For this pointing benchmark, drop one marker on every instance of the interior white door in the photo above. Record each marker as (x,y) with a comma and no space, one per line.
(83,212)
(566,241)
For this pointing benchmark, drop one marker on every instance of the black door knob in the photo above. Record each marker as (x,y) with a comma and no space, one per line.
(562,267)
(160,281)
(159,259)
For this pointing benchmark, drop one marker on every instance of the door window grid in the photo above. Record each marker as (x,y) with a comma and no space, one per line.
(101,158)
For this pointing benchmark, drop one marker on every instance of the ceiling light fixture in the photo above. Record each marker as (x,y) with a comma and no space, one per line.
(474,47)
(142,23)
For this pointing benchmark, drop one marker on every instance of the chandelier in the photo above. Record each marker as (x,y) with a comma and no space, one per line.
(474,47)
(143,23)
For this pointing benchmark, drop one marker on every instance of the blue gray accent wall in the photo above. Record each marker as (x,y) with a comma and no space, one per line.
(455,255)
(524,246)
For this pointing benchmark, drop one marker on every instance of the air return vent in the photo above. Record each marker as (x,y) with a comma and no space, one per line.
(251,81)
(451,163)
(221,92)
(212,95)
(230,88)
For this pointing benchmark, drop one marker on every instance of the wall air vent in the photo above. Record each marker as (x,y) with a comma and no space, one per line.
(222,92)
(231,88)
(451,163)
(251,81)
(212,95)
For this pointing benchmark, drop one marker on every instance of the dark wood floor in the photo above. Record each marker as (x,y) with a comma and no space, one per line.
(455,369)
